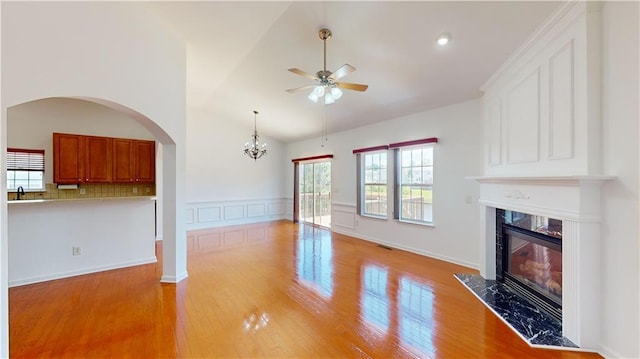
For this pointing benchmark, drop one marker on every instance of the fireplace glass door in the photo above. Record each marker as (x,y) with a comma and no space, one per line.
(535,261)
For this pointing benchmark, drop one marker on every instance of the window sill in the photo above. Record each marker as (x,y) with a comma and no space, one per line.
(374,217)
(27,190)
(424,224)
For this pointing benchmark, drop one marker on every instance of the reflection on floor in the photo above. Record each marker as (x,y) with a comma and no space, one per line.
(277,290)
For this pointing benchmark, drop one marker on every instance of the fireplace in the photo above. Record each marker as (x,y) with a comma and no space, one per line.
(571,208)
(529,258)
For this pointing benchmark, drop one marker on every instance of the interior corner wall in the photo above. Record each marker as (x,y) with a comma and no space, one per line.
(218,169)
(224,186)
(111,52)
(620,233)
(458,153)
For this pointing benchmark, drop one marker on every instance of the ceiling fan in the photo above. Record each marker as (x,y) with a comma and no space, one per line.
(327,84)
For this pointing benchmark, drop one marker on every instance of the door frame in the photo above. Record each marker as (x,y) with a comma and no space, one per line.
(296,194)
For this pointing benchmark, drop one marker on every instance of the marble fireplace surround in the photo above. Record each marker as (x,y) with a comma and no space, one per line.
(576,201)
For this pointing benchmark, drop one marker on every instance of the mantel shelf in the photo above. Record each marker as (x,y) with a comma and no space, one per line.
(542,179)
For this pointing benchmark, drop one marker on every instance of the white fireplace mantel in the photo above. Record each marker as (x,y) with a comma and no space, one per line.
(574,198)
(576,201)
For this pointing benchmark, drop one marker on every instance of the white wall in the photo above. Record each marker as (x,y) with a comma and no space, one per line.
(111,233)
(224,186)
(30,125)
(458,154)
(218,169)
(620,236)
(112,53)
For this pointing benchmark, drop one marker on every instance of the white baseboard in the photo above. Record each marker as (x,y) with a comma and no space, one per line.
(408,249)
(48,277)
(173,279)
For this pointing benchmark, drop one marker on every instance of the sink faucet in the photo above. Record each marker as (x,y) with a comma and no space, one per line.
(19,192)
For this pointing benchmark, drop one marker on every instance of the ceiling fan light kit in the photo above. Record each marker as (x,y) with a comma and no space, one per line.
(327,84)
(444,38)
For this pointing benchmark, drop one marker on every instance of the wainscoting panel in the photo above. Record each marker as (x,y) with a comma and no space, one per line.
(343,215)
(233,212)
(208,214)
(256,210)
(190,215)
(277,209)
(201,215)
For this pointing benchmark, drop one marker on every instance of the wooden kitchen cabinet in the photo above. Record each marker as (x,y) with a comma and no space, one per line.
(145,161)
(123,161)
(98,164)
(93,159)
(68,158)
(134,161)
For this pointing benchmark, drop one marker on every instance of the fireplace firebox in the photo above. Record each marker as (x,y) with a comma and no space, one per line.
(529,258)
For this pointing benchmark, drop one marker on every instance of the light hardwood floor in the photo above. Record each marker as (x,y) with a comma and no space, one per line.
(266,290)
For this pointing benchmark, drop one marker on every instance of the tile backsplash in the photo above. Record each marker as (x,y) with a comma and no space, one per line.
(90,190)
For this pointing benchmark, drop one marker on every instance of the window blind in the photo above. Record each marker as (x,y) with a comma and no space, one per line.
(25,160)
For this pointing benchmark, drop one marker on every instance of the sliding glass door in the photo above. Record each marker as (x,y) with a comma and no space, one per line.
(314,193)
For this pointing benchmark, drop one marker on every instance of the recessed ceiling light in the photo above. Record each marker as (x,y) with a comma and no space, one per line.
(443,38)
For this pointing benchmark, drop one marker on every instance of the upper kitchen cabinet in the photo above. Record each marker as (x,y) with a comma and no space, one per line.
(93,159)
(98,164)
(68,158)
(133,161)
(145,160)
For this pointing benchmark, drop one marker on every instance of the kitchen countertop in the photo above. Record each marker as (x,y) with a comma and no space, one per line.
(67,200)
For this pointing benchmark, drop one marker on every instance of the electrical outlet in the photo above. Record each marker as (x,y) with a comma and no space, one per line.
(83,191)
(148,190)
(135,189)
(76,251)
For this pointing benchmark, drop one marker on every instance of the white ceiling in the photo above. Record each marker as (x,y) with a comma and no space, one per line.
(238,54)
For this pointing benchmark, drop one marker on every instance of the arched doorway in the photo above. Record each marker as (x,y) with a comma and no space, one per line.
(176,259)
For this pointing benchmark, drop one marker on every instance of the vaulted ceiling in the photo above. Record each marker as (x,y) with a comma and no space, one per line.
(238,54)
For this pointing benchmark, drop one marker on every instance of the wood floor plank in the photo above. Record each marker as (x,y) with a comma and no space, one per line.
(278,290)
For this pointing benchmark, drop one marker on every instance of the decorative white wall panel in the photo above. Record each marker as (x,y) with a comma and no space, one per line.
(561,103)
(190,215)
(550,97)
(233,212)
(494,131)
(228,213)
(276,209)
(208,214)
(343,215)
(255,210)
(523,120)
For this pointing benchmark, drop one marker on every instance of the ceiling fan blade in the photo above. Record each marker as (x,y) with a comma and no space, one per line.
(302,73)
(350,86)
(308,87)
(342,71)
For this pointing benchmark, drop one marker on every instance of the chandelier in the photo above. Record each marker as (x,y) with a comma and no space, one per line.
(253,148)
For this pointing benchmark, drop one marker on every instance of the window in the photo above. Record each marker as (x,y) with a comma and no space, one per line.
(414,181)
(374,184)
(25,168)
(372,181)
